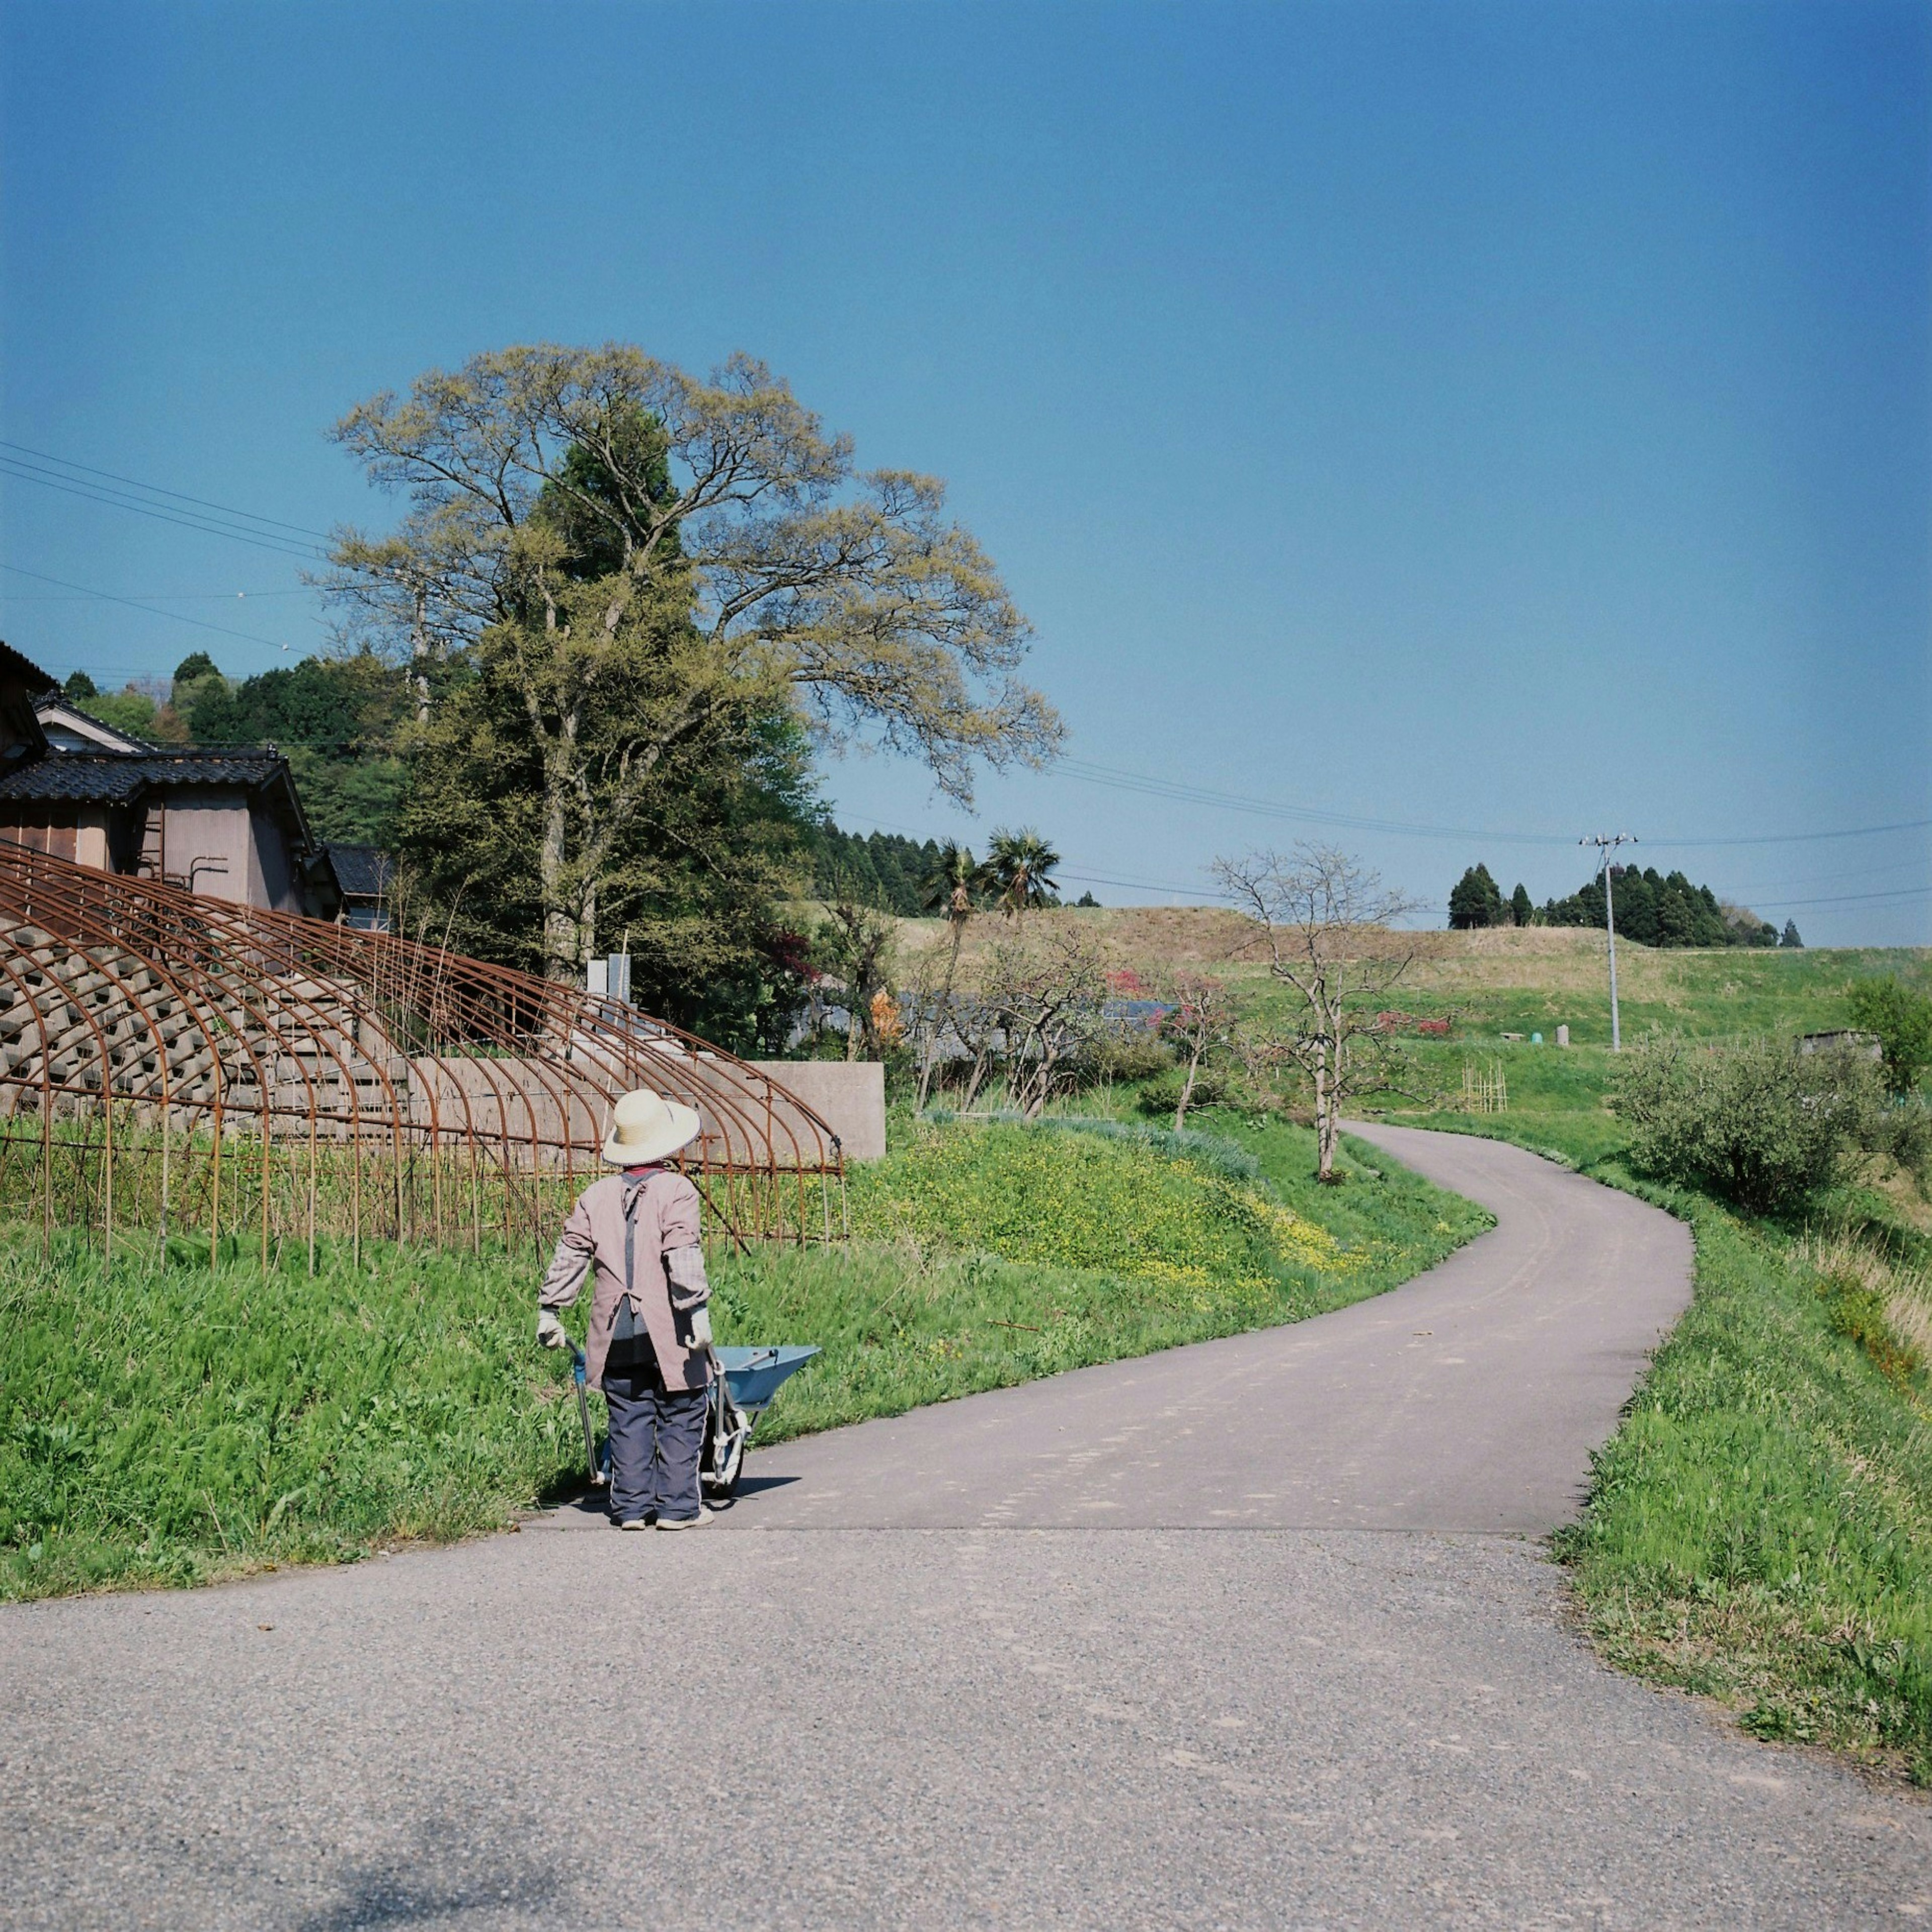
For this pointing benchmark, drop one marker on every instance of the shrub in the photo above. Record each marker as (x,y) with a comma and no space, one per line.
(1212,1086)
(1753,1121)
(1902,1019)
(1126,1054)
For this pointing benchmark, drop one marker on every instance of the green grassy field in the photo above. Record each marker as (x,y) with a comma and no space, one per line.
(164,1422)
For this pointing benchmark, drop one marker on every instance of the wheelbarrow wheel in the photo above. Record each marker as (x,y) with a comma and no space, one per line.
(727,1465)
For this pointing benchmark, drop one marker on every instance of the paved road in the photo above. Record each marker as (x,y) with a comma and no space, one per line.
(1012,1663)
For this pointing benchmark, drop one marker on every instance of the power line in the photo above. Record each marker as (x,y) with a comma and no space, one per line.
(1139,885)
(156,490)
(154,596)
(173,616)
(1849,898)
(274,546)
(1089,773)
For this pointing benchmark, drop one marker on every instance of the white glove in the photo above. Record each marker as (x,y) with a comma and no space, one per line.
(701,1328)
(550,1330)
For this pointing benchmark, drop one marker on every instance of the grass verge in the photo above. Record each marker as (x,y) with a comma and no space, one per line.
(1760,1529)
(165,1421)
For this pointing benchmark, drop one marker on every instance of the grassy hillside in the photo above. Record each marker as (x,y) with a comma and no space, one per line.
(163,1422)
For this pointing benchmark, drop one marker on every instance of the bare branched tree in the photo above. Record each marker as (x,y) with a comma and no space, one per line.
(1198,1017)
(1041,998)
(1329,928)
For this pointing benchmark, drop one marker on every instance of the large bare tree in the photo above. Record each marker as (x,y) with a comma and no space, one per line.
(1330,927)
(599,522)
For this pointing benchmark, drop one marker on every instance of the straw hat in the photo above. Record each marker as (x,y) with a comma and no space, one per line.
(645,1127)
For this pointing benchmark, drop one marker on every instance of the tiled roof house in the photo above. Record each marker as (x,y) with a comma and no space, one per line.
(225,822)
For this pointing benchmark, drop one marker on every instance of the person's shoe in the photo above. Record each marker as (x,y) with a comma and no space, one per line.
(635,1522)
(696,1521)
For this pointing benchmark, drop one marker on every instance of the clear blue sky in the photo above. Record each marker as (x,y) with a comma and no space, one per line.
(1516,418)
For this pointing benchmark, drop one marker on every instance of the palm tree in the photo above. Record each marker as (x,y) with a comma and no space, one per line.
(953,890)
(1019,865)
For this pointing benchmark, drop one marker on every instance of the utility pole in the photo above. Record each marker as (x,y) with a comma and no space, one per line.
(1605,843)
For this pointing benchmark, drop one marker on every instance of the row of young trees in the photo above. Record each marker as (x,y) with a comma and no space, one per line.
(1042,1004)
(1653,909)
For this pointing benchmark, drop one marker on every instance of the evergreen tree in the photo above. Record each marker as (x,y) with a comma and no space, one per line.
(882,870)
(1791,937)
(1521,909)
(340,720)
(1476,901)
(1656,909)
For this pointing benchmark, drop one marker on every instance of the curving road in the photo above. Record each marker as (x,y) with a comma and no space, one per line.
(1252,1634)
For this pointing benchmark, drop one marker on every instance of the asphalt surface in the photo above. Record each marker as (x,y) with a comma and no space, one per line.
(1250,1635)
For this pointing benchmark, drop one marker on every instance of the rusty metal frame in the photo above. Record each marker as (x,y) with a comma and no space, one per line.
(156,1046)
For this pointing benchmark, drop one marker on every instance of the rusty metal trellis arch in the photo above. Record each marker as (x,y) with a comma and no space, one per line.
(183,1064)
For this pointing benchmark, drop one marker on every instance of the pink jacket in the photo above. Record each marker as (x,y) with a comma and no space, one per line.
(665,1210)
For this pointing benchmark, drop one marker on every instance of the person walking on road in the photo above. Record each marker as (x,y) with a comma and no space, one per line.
(636,1234)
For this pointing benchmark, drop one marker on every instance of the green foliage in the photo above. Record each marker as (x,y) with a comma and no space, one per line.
(161,1421)
(128,710)
(1659,910)
(1226,1158)
(1752,1121)
(196,665)
(1136,1208)
(1523,909)
(79,687)
(1859,1312)
(879,869)
(1901,1017)
(1018,871)
(695,874)
(1475,900)
(1126,1054)
(343,723)
(628,621)
(1161,1094)
(1790,937)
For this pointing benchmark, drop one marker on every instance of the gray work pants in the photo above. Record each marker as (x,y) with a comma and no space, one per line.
(656,1435)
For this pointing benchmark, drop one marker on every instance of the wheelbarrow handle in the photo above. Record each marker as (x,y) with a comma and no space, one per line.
(579,1375)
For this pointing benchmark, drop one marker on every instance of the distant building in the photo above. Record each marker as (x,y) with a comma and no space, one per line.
(227,823)
(68,728)
(362,877)
(1842,1039)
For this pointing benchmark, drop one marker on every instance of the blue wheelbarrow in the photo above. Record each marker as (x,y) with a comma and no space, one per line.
(743,1381)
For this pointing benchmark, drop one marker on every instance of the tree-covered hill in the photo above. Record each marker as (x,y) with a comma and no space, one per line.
(878,868)
(1653,909)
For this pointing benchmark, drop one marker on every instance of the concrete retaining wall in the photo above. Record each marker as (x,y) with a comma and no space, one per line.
(849,1095)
